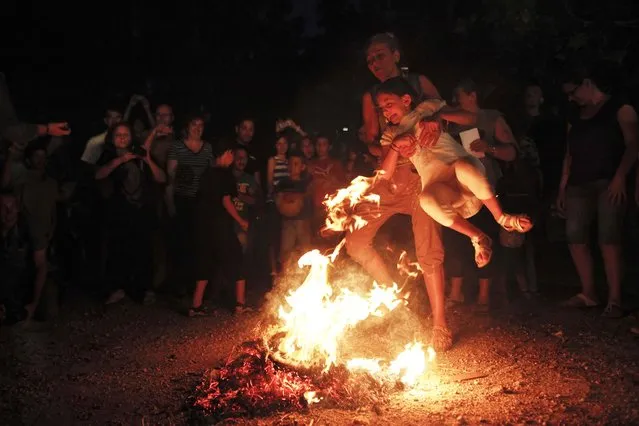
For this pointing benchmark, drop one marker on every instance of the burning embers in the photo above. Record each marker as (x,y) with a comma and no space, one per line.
(304,358)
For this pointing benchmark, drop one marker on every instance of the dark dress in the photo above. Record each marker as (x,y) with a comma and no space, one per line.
(130,218)
(217,246)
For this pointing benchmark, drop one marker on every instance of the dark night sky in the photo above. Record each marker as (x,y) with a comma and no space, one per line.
(64,61)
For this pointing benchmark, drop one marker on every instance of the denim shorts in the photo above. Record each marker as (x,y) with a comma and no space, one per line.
(586,202)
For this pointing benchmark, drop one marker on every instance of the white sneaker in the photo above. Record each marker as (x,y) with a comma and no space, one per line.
(115,297)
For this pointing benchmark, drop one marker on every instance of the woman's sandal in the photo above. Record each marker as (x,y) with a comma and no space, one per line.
(513,222)
(442,339)
(483,251)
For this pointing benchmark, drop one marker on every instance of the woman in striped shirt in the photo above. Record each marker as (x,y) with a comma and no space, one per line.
(188,159)
(277,167)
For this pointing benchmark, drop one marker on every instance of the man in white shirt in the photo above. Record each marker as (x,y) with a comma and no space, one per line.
(95,145)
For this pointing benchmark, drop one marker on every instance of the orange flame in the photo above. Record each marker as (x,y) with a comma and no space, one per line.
(340,205)
(314,319)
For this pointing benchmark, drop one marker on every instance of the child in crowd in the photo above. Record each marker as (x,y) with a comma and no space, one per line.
(328,176)
(293,198)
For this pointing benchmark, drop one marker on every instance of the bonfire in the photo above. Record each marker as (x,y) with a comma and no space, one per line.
(304,357)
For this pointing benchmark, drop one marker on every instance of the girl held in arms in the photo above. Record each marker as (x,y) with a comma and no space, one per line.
(454,186)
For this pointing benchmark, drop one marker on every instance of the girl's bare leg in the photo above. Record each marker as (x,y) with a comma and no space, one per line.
(437,201)
(471,177)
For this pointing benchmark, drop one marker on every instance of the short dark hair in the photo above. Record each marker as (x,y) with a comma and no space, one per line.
(468,85)
(296,153)
(396,86)
(244,118)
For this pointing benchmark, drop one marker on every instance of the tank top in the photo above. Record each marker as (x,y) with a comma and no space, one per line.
(596,144)
(280,171)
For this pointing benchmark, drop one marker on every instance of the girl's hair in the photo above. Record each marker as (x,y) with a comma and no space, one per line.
(397,86)
(388,39)
(291,136)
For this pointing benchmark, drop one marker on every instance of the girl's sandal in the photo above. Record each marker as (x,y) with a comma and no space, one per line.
(483,251)
(515,222)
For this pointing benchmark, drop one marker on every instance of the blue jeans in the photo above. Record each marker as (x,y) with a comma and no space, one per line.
(585,202)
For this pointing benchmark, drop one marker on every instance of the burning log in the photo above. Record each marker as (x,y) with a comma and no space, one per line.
(254,383)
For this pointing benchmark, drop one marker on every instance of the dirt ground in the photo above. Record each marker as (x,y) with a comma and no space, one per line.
(527,363)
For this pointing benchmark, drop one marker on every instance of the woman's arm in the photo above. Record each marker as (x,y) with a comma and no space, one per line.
(371,121)
(428,88)
(104,171)
(506,149)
